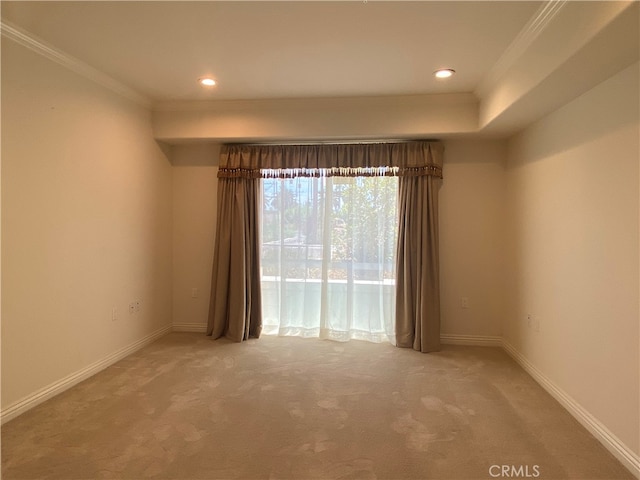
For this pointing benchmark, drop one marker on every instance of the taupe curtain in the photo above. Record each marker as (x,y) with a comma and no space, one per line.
(235,308)
(417,272)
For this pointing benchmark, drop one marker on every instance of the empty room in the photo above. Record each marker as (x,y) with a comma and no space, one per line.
(320,240)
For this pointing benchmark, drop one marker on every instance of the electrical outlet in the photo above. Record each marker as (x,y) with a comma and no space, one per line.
(464,302)
(533,322)
(194,293)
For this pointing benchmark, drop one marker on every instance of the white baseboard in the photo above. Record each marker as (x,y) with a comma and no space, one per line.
(69,381)
(627,457)
(189,327)
(471,340)
(447,339)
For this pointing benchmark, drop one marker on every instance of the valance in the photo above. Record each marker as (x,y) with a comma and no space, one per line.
(415,158)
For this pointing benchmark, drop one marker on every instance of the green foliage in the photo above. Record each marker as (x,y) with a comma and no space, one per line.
(359,215)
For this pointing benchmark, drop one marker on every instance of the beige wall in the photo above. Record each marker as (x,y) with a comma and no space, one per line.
(194,212)
(471,208)
(572,193)
(472,237)
(86,224)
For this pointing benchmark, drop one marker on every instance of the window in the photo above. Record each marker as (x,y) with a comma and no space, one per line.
(318,254)
(328,256)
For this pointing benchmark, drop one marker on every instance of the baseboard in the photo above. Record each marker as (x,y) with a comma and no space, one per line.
(69,381)
(471,340)
(627,457)
(189,327)
(447,339)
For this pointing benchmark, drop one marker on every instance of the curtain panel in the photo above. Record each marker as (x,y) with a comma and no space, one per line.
(235,305)
(235,308)
(417,265)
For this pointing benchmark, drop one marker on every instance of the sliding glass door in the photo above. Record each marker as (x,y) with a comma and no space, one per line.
(328,256)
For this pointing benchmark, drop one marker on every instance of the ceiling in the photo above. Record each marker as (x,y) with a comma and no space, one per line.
(335,69)
(258,50)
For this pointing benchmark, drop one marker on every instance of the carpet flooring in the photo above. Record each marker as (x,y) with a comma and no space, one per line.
(187,407)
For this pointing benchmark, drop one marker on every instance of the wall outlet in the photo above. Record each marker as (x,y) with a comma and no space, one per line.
(533,322)
(464,302)
(194,293)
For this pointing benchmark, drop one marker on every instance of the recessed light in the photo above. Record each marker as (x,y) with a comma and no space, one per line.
(207,82)
(444,73)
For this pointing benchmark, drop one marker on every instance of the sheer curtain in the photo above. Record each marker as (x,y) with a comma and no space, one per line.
(328,257)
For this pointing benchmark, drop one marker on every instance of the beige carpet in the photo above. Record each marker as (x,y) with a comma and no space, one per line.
(187,407)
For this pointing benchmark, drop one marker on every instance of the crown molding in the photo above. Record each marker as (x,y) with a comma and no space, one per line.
(529,33)
(41,47)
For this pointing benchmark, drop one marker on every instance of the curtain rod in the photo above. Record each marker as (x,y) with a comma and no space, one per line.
(333,142)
